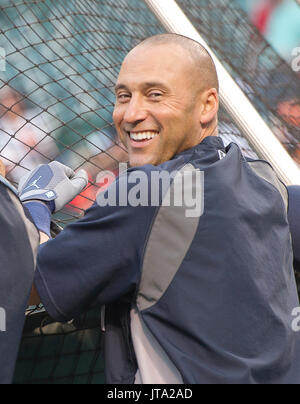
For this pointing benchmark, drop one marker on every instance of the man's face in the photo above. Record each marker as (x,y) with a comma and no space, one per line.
(290,112)
(156,115)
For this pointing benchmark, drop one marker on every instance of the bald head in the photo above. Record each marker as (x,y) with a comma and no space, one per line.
(201,61)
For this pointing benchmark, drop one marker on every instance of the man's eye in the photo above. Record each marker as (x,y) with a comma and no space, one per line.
(155,94)
(123,97)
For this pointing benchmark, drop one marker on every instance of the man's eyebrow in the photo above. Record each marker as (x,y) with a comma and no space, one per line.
(155,84)
(146,85)
(120,87)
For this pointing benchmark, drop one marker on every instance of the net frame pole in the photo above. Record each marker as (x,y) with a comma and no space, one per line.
(244,114)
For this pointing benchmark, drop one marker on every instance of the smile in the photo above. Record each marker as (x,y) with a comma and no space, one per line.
(140,136)
(142,139)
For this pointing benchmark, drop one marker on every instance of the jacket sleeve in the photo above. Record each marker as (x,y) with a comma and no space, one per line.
(94,261)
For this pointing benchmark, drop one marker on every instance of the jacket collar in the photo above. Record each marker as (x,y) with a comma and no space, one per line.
(209,143)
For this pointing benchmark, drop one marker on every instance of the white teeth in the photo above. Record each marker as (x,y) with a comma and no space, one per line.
(143,135)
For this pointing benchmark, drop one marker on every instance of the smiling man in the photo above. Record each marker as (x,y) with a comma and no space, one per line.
(201,299)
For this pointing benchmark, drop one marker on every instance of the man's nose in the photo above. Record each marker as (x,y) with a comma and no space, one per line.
(135,110)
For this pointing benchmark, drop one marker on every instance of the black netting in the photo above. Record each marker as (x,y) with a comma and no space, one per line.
(55,353)
(268,81)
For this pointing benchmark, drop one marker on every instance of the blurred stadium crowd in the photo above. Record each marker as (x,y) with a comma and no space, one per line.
(278,21)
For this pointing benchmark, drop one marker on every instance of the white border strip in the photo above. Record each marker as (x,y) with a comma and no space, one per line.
(260,136)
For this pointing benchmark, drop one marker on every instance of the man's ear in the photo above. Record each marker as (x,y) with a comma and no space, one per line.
(210,106)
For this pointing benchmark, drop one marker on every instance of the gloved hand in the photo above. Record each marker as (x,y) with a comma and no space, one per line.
(52,182)
(48,189)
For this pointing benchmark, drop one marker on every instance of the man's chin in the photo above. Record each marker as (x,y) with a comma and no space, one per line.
(139,161)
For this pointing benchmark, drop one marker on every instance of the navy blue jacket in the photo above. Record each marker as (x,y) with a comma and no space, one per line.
(210,296)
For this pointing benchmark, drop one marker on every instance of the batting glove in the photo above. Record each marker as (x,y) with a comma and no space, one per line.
(48,189)
(54,184)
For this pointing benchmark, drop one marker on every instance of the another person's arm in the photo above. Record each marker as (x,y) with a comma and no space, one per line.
(18,249)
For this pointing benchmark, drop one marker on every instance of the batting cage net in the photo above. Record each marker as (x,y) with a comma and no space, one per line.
(59,61)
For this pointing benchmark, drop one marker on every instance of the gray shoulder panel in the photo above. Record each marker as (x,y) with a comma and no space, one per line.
(265,171)
(171,236)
